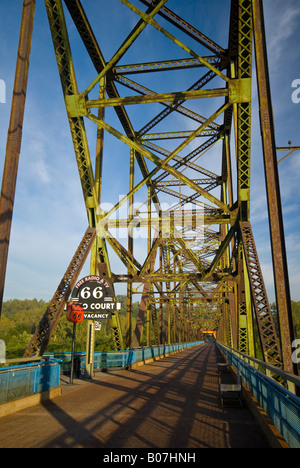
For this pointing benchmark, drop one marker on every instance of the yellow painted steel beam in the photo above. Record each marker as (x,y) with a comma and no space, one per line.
(149,19)
(84,28)
(165,97)
(164,65)
(171,107)
(290,150)
(162,164)
(189,218)
(221,250)
(189,29)
(125,46)
(69,85)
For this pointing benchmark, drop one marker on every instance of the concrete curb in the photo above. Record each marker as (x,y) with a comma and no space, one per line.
(32,400)
(271,432)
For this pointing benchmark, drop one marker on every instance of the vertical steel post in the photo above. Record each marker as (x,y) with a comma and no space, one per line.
(161,308)
(148,333)
(73,353)
(130,250)
(282,287)
(14,137)
(90,339)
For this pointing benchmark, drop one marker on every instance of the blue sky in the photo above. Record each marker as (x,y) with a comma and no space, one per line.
(49,217)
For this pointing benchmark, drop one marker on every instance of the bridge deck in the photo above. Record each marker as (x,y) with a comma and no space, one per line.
(171,403)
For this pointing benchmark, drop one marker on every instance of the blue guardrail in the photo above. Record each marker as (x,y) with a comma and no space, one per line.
(109,359)
(27,379)
(282,406)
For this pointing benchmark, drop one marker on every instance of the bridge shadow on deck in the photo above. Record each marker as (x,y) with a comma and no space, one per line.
(171,403)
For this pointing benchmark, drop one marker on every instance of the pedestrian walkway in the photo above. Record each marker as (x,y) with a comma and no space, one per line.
(171,403)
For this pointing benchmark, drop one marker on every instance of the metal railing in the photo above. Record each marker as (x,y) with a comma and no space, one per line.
(28,379)
(121,359)
(281,405)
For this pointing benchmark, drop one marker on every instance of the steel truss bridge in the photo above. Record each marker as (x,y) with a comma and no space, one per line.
(200,253)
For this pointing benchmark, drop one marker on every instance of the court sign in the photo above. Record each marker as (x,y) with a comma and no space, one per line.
(97,297)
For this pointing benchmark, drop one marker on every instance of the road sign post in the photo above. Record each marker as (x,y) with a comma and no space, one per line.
(74,315)
(73,353)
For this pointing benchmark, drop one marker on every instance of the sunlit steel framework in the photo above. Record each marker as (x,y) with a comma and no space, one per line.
(200,252)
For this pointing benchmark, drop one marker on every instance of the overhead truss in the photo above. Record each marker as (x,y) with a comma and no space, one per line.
(199,252)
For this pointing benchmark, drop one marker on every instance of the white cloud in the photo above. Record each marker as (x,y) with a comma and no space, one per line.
(282,20)
(39,169)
